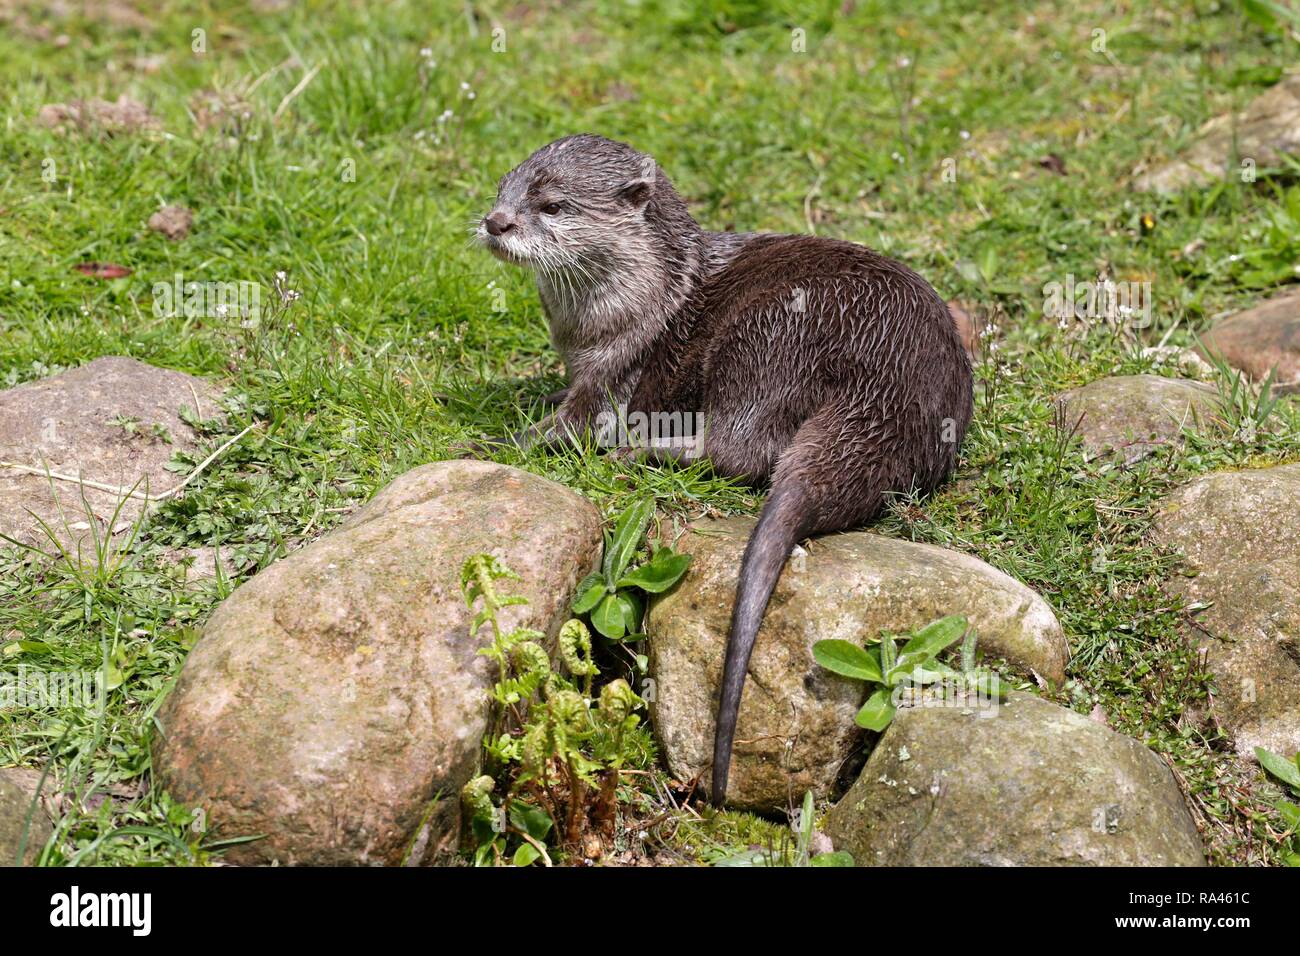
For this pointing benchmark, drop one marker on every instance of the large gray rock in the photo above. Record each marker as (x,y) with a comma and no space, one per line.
(1264,132)
(336,702)
(1030,784)
(114,421)
(1240,533)
(796,726)
(17,788)
(1262,339)
(1132,416)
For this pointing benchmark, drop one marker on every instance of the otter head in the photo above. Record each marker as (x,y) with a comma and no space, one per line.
(583,205)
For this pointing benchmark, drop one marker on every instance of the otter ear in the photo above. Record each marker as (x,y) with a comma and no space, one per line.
(636,193)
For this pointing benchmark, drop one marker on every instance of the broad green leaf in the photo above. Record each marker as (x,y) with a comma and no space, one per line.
(838,858)
(923,676)
(629,529)
(530,819)
(877,712)
(607,618)
(988,262)
(114,677)
(632,608)
(658,574)
(1279,766)
(934,637)
(526,855)
(588,594)
(845,657)
(28,647)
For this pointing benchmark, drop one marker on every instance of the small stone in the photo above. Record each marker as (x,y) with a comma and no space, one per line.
(73,424)
(174,222)
(1266,131)
(1132,416)
(1260,340)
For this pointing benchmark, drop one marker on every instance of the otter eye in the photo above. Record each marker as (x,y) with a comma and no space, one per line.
(551,208)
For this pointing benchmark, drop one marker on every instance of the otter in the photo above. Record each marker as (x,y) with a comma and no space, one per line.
(831,373)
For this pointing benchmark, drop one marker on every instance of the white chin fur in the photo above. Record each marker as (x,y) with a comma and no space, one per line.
(505,253)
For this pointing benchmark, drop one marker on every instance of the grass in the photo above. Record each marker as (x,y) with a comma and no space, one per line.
(406,340)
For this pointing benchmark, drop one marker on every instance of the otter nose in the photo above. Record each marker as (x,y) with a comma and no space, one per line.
(498,223)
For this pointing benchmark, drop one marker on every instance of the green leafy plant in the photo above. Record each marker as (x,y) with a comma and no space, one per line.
(612,595)
(912,665)
(1287,771)
(556,744)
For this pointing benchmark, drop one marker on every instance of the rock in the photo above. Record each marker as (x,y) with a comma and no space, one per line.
(1262,339)
(174,222)
(1268,129)
(114,421)
(96,115)
(17,788)
(1027,784)
(336,702)
(1136,415)
(1240,533)
(796,726)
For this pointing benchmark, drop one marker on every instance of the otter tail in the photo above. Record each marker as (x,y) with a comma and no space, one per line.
(831,477)
(787,519)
